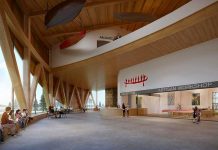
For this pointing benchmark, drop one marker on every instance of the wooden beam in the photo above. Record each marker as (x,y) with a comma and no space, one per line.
(86,97)
(89,28)
(45,88)
(8,52)
(93,99)
(26,64)
(26,76)
(71,96)
(34,83)
(68,89)
(79,101)
(64,94)
(56,88)
(87,5)
(51,97)
(19,34)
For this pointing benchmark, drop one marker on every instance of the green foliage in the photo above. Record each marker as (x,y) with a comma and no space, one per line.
(35,105)
(43,103)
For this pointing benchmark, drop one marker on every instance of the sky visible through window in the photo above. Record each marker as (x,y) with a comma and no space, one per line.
(5,82)
(101,97)
(6,86)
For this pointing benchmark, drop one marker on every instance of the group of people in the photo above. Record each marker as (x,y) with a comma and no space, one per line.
(11,121)
(55,112)
(125,110)
(196,115)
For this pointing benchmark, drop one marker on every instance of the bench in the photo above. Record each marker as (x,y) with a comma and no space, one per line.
(32,120)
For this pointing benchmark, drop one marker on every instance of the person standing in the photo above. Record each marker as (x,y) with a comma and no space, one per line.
(124,109)
(198,116)
(194,114)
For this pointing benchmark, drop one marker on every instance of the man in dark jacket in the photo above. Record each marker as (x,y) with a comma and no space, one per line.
(124,109)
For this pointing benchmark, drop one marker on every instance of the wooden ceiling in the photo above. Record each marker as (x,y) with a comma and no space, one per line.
(102,71)
(96,14)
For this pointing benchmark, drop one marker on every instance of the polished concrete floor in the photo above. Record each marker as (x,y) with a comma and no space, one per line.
(90,131)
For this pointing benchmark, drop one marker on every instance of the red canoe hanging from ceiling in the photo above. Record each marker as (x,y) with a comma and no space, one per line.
(72,40)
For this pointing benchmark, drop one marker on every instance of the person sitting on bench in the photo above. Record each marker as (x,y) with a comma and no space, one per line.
(7,123)
(51,111)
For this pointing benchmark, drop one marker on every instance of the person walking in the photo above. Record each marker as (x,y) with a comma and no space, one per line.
(124,109)
(194,114)
(198,116)
(127,110)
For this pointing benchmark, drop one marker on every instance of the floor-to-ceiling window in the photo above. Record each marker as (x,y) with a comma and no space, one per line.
(90,103)
(39,104)
(99,98)
(19,63)
(5,85)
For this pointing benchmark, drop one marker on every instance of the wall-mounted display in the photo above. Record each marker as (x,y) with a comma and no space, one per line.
(196,99)
(171,98)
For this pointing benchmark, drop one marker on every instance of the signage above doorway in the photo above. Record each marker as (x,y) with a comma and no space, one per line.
(174,88)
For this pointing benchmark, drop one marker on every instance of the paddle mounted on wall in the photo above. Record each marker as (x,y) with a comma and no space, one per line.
(63,12)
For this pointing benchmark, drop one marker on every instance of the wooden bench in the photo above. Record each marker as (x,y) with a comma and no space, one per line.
(33,120)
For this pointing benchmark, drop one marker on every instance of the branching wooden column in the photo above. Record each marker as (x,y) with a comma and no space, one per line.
(86,97)
(67,94)
(63,94)
(93,99)
(8,52)
(79,101)
(71,96)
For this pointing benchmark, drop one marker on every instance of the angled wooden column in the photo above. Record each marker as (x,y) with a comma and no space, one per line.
(8,52)
(93,99)
(71,96)
(79,101)
(26,63)
(51,97)
(26,76)
(56,89)
(68,89)
(63,94)
(86,97)
(34,83)
(45,87)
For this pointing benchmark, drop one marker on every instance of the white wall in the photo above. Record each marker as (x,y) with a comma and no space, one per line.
(84,47)
(60,58)
(196,64)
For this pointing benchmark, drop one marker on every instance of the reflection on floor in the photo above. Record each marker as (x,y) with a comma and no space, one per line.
(90,131)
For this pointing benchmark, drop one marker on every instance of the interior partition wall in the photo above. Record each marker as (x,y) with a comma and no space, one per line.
(190,73)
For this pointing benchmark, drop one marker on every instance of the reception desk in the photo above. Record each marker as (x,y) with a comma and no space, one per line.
(119,112)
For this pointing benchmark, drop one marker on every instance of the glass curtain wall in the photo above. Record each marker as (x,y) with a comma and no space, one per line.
(5,85)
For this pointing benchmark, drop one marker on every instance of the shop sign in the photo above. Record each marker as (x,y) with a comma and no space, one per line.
(136,80)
